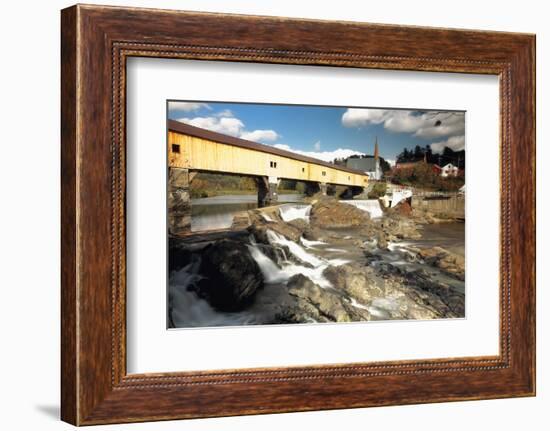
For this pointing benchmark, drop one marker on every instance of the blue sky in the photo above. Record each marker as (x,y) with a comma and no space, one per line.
(326,132)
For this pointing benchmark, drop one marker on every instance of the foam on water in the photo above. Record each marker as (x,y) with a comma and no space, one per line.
(310,244)
(188,310)
(272,273)
(294,248)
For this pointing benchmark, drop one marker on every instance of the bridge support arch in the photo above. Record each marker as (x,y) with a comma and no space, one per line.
(311,188)
(352,191)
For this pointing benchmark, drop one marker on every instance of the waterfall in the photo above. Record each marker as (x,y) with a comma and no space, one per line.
(270,271)
(372,206)
(294,248)
(187,309)
(290,212)
(273,274)
(399,196)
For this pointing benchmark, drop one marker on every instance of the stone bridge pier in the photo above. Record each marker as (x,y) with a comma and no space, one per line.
(267,191)
(179,201)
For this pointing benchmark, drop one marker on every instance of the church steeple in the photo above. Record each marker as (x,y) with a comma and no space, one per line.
(376,154)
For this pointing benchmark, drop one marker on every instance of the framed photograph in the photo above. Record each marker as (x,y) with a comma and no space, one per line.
(264,215)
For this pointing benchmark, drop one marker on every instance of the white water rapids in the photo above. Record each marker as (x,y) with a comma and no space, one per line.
(372,206)
(188,310)
(274,273)
(280,260)
(290,212)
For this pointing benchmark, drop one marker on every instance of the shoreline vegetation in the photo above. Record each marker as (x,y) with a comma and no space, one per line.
(207,185)
(420,176)
(323,260)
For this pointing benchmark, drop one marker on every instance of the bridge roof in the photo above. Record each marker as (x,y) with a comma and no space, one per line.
(186,129)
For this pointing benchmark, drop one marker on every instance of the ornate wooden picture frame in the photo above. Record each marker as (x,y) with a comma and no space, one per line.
(96,42)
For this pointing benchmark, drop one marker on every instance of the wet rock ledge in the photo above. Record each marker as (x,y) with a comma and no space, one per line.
(377,283)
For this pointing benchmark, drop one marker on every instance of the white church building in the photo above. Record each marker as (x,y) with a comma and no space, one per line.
(367,163)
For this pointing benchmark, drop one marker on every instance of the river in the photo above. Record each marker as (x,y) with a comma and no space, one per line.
(187,310)
(217,212)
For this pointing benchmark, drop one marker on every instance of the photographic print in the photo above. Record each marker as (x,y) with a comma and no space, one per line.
(289,214)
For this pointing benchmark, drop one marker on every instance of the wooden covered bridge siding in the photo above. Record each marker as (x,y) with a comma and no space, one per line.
(192,149)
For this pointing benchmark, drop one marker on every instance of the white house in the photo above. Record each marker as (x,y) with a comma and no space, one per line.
(449,170)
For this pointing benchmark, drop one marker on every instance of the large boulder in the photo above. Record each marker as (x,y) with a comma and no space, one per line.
(398,227)
(403,208)
(318,303)
(451,263)
(329,213)
(231,276)
(259,226)
(357,281)
(178,254)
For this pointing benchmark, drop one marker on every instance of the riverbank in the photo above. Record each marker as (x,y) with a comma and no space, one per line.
(326,261)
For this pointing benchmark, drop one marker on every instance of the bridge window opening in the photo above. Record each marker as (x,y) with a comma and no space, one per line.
(273,164)
(324,173)
(303,169)
(175,148)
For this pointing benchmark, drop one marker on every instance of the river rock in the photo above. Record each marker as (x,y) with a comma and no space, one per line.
(452,263)
(403,301)
(314,234)
(259,228)
(231,276)
(381,240)
(422,296)
(403,208)
(319,303)
(300,224)
(399,227)
(328,213)
(357,281)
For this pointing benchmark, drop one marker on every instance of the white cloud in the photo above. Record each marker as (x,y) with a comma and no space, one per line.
(225,113)
(226,125)
(327,156)
(224,122)
(428,125)
(187,106)
(441,124)
(355,117)
(455,143)
(317,146)
(260,135)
